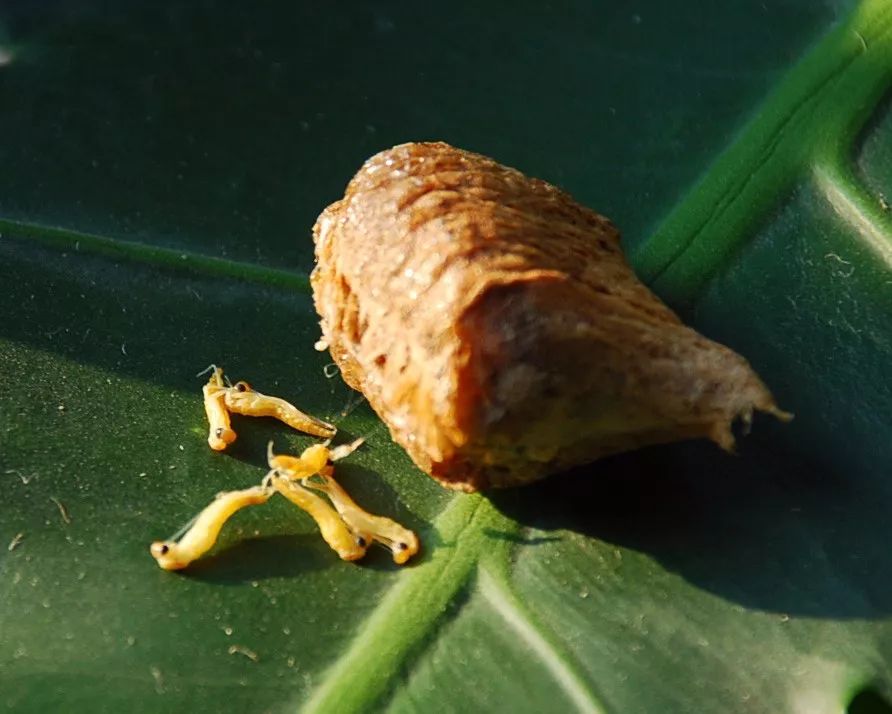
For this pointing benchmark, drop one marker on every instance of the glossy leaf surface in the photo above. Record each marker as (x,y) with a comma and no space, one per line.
(163,165)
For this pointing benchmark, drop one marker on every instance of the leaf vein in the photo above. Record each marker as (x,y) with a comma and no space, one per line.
(563,672)
(182,260)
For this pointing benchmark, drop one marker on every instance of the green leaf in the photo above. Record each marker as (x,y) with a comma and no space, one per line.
(163,164)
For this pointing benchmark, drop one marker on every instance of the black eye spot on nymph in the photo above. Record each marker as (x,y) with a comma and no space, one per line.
(165,549)
(361,542)
(402,546)
(219,432)
(241,387)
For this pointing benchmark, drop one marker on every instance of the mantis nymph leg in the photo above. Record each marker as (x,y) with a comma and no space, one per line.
(220,433)
(202,535)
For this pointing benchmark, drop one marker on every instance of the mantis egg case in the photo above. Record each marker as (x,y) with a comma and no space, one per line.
(495,326)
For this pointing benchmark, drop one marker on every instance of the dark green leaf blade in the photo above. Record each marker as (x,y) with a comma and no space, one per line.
(674,579)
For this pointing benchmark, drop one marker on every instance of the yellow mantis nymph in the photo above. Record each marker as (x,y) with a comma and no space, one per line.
(334,531)
(221,399)
(401,542)
(202,534)
(347,528)
(220,433)
(313,469)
